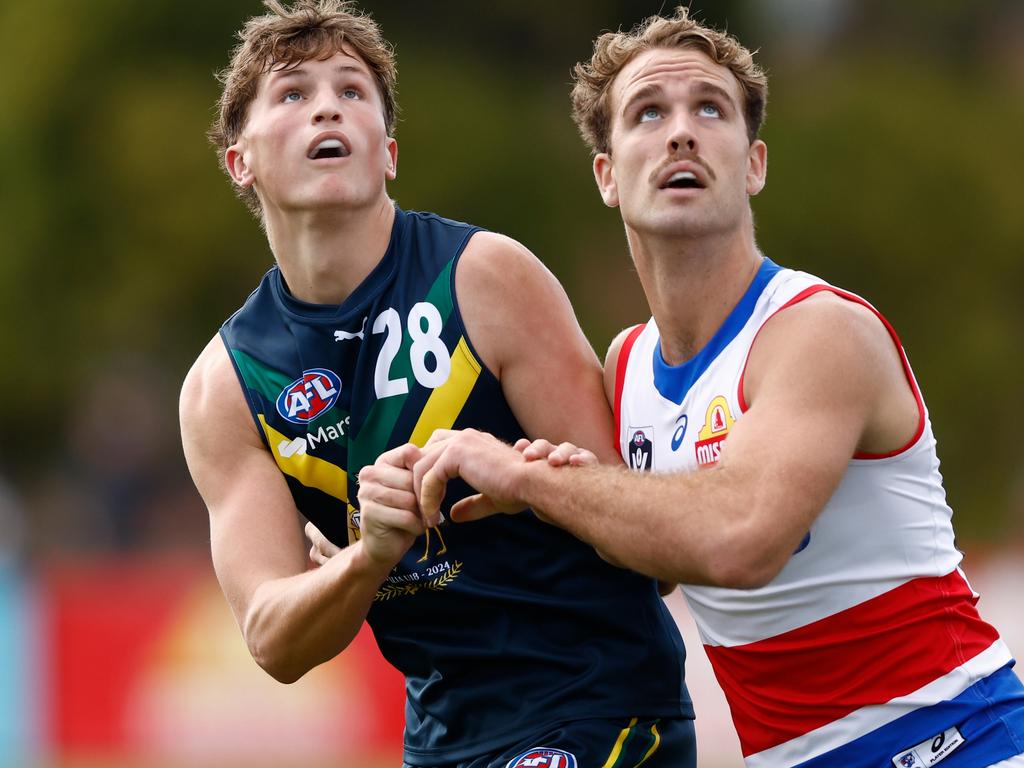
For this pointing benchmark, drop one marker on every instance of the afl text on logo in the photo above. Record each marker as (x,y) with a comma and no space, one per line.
(543,757)
(717,423)
(313,393)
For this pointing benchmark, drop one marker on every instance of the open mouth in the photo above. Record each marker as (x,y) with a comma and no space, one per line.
(328,148)
(683,180)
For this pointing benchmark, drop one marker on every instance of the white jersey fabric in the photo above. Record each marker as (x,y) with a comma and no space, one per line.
(866,648)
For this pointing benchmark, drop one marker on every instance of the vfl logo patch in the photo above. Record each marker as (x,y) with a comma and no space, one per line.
(543,757)
(641,448)
(313,393)
(717,423)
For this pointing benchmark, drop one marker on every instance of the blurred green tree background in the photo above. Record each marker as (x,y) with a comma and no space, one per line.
(894,131)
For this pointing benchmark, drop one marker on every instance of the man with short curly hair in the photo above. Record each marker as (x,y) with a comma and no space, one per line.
(785,466)
(520,646)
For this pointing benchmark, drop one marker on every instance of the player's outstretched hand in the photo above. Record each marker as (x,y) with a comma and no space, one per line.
(389,516)
(322,549)
(482,460)
(557,455)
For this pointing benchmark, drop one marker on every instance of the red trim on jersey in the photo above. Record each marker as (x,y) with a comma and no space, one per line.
(892,334)
(620,379)
(788,685)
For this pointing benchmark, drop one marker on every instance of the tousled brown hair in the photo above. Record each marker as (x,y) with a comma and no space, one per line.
(285,37)
(591,95)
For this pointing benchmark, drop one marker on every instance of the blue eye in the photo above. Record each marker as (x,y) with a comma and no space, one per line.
(351,93)
(710,110)
(288,97)
(648,114)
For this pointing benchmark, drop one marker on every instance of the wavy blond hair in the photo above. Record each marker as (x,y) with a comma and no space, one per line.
(591,95)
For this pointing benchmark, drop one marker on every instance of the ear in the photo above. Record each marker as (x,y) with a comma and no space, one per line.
(391,169)
(604,175)
(757,167)
(238,168)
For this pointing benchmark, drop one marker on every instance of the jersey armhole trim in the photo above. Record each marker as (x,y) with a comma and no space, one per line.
(808,292)
(249,401)
(620,379)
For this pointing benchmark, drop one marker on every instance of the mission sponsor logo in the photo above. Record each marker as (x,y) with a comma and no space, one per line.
(641,448)
(717,422)
(543,757)
(313,393)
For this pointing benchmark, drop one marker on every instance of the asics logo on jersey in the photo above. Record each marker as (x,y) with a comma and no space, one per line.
(313,393)
(680,433)
(543,758)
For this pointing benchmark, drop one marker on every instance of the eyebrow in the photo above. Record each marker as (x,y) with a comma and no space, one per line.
(293,72)
(705,88)
(647,92)
(702,88)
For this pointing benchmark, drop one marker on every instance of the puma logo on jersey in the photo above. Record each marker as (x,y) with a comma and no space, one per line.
(345,335)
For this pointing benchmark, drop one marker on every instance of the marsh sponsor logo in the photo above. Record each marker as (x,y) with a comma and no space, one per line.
(303,444)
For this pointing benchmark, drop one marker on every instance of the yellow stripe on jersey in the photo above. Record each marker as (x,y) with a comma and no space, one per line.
(292,459)
(445,403)
(654,746)
(613,758)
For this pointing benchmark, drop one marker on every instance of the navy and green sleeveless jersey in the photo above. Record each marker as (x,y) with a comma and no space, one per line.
(500,626)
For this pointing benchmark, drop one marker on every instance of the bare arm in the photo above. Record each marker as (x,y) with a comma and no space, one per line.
(823,380)
(292,618)
(524,328)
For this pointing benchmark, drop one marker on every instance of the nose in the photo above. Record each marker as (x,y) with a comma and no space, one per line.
(681,137)
(326,107)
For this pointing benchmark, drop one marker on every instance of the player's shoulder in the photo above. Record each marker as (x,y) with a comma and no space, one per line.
(500,271)
(496,253)
(826,316)
(611,359)
(827,340)
(210,393)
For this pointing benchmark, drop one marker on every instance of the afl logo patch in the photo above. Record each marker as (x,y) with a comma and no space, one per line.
(313,393)
(543,757)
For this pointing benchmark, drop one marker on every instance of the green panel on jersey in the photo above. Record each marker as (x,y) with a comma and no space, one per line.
(376,431)
(264,380)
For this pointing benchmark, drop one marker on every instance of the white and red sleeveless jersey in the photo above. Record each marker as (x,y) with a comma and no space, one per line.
(867,647)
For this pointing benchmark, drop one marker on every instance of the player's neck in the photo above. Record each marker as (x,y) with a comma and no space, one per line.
(325,255)
(693,284)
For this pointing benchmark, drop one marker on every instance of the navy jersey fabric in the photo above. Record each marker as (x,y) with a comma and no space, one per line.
(501,626)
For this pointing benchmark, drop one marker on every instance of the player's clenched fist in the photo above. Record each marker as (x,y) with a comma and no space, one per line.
(389,517)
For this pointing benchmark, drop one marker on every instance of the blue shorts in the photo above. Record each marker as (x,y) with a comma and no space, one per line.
(625,743)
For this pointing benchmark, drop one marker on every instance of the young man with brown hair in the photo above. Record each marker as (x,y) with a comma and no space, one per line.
(790,478)
(376,326)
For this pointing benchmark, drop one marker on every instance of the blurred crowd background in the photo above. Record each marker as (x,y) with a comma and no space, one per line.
(895,159)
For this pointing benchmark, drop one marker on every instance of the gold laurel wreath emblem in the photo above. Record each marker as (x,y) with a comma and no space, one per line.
(438,583)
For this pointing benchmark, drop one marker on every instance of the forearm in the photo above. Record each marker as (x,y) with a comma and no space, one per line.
(296,623)
(681,528)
